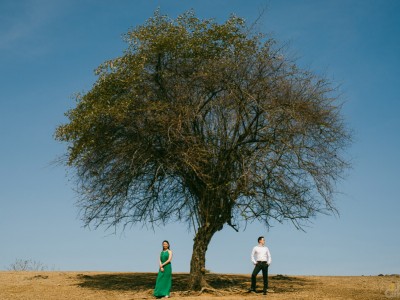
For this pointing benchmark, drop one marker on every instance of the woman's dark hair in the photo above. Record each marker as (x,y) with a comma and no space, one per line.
(165,241)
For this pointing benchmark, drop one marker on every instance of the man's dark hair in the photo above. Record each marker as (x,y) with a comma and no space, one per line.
(260,238)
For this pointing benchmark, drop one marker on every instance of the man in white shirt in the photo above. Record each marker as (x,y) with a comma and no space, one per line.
(261,259)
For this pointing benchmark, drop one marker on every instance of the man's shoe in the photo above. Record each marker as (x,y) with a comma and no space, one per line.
(251,291)
(264,292)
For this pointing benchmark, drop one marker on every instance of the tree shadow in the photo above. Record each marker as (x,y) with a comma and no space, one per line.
(128,281)
(118,281)
(234,283)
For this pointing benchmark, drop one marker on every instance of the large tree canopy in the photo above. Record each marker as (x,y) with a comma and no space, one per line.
(208,124)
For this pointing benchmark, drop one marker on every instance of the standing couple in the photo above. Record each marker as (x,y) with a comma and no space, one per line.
(260,256)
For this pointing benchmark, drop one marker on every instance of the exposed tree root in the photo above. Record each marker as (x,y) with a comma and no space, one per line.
(212,291)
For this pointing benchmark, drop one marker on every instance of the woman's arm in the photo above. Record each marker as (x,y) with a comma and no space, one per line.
(168,260)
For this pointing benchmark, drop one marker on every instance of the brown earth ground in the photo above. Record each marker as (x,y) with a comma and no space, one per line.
(123,286)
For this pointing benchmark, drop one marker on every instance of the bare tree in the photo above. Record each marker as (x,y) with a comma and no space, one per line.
(27,265)
(207,124)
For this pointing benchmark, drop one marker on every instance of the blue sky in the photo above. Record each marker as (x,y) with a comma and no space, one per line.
(48,51)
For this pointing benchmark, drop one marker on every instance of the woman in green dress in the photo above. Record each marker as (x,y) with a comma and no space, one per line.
(164,277)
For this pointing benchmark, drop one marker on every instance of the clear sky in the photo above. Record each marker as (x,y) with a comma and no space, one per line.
(48,51)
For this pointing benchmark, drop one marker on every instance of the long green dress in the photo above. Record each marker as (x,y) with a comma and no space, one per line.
(164,279)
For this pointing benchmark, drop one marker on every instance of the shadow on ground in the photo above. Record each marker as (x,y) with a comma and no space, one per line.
(286,284)
(223,282)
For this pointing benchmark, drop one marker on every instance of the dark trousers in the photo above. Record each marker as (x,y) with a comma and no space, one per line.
(261,265)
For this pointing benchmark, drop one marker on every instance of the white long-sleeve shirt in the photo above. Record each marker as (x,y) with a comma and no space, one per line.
(261,253)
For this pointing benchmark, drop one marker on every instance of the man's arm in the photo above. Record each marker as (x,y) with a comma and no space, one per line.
(252,256)
(269,259)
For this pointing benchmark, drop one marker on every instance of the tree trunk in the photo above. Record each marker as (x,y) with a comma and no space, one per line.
(198,262)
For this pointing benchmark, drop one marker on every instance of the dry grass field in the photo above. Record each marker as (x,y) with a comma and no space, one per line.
(123,286)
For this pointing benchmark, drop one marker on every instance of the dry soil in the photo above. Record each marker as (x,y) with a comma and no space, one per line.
(124,286)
